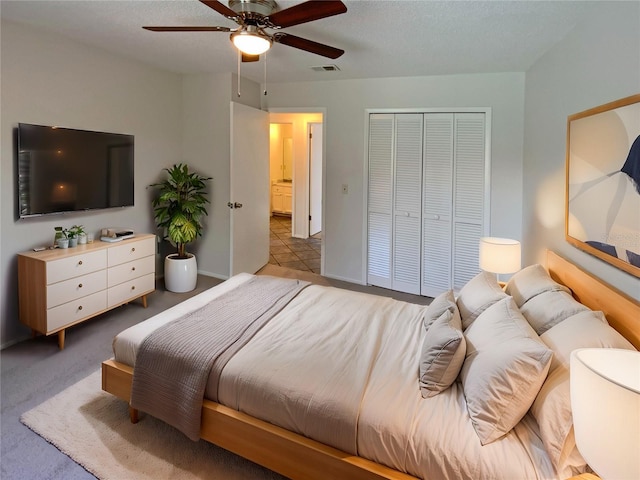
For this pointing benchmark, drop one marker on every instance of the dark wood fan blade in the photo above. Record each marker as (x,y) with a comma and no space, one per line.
(188,29)
(306,12)
(307,45)
(220,8)
(250,58)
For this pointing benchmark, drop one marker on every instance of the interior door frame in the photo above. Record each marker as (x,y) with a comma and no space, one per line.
(323,111)
(365,177)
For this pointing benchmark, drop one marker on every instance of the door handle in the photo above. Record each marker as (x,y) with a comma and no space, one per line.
(234,205)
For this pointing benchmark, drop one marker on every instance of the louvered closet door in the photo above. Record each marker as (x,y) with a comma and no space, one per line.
(380,196)
(437,203)
(469,195)
(407,203)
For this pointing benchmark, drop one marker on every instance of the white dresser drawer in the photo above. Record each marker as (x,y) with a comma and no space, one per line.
(63,292)
(132,250)
(129,271)
(126,291)
(75,310)
(76,265)
(281,189)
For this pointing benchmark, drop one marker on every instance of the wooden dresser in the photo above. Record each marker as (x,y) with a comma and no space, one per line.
(62,287)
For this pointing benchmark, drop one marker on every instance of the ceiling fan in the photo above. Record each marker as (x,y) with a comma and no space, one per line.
(255,16)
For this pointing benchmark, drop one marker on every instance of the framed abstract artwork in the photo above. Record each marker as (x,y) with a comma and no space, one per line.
(603,183)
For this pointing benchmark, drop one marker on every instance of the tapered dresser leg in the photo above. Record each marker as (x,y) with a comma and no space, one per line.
(61,339)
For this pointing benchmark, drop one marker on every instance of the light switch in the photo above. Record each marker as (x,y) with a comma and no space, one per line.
(345,188)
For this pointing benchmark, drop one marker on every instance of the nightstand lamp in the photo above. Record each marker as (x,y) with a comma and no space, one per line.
(499,255)
(605,399)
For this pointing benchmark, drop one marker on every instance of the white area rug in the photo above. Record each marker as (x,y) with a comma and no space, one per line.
(93,428)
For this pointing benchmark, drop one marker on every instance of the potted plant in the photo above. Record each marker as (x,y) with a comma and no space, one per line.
(79,233)
(178,210)
(72,235)
(62,240)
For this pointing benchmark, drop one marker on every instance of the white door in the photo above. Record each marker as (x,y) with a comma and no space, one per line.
(249,193)
(315,178)
(380,195)
(407,198)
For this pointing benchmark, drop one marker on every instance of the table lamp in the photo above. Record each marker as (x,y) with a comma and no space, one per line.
(499,255)
(605,400)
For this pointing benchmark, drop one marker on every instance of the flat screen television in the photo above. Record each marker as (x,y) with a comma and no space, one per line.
(67,170)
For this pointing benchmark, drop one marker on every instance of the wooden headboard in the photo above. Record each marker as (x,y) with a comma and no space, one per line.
(622,311)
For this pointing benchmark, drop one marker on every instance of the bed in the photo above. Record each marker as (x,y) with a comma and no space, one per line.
(401,426)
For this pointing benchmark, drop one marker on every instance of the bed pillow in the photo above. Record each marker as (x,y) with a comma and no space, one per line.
(443,352)
(505,366)
(442,303)
(476,296)
(550,308)
(531,281)
(552,406)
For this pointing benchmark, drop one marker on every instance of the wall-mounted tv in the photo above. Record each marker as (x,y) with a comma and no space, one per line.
(67,170)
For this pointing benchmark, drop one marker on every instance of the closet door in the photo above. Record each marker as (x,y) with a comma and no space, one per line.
(437,203)
(407,203)
(469,195)
(380,196)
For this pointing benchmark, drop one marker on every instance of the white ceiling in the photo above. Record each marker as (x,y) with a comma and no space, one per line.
(381,38)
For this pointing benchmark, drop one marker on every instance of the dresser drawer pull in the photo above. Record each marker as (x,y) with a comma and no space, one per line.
(80,307)
(80,262)
(133,287)
(133,269)
(80,286)
(133,249)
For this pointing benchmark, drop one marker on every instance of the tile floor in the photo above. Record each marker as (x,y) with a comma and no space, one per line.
(296,253)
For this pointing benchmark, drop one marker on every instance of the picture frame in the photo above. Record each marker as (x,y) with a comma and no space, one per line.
(602,208)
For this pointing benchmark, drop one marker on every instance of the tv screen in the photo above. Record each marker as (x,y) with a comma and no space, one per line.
(67,170)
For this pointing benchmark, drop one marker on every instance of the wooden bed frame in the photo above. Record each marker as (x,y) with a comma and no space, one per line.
(298,457)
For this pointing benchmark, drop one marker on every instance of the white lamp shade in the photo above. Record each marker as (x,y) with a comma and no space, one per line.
(499,255)
(605,400)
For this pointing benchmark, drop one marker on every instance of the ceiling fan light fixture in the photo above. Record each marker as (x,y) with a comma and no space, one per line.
(251,41)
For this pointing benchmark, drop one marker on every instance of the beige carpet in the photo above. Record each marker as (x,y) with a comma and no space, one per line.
(93,428)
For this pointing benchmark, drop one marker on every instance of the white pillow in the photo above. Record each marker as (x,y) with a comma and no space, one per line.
(443,302)
(443,353)
(477,295)
(531,281)
(552,406)
(550,308)
(505,365)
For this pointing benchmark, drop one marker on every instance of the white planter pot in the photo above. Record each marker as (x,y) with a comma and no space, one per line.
(180,274)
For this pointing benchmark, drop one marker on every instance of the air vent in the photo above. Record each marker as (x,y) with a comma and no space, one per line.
(326,68)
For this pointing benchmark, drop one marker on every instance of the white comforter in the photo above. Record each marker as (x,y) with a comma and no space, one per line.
(342,367)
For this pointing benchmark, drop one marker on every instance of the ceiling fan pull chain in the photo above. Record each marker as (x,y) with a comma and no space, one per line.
(265,73)
(239,62)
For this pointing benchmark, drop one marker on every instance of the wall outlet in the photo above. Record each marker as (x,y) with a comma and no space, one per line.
(345,188)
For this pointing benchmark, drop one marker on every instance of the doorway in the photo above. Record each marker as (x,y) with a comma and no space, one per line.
(296,180)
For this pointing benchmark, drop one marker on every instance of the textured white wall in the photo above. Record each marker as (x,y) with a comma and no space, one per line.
(207,135)
(346,101)
(597,63)
(50,80)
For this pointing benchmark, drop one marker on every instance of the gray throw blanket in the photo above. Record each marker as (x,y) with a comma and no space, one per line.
(174,362)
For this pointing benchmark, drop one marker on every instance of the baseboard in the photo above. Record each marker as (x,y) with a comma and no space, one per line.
(213,275)
(345,279)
